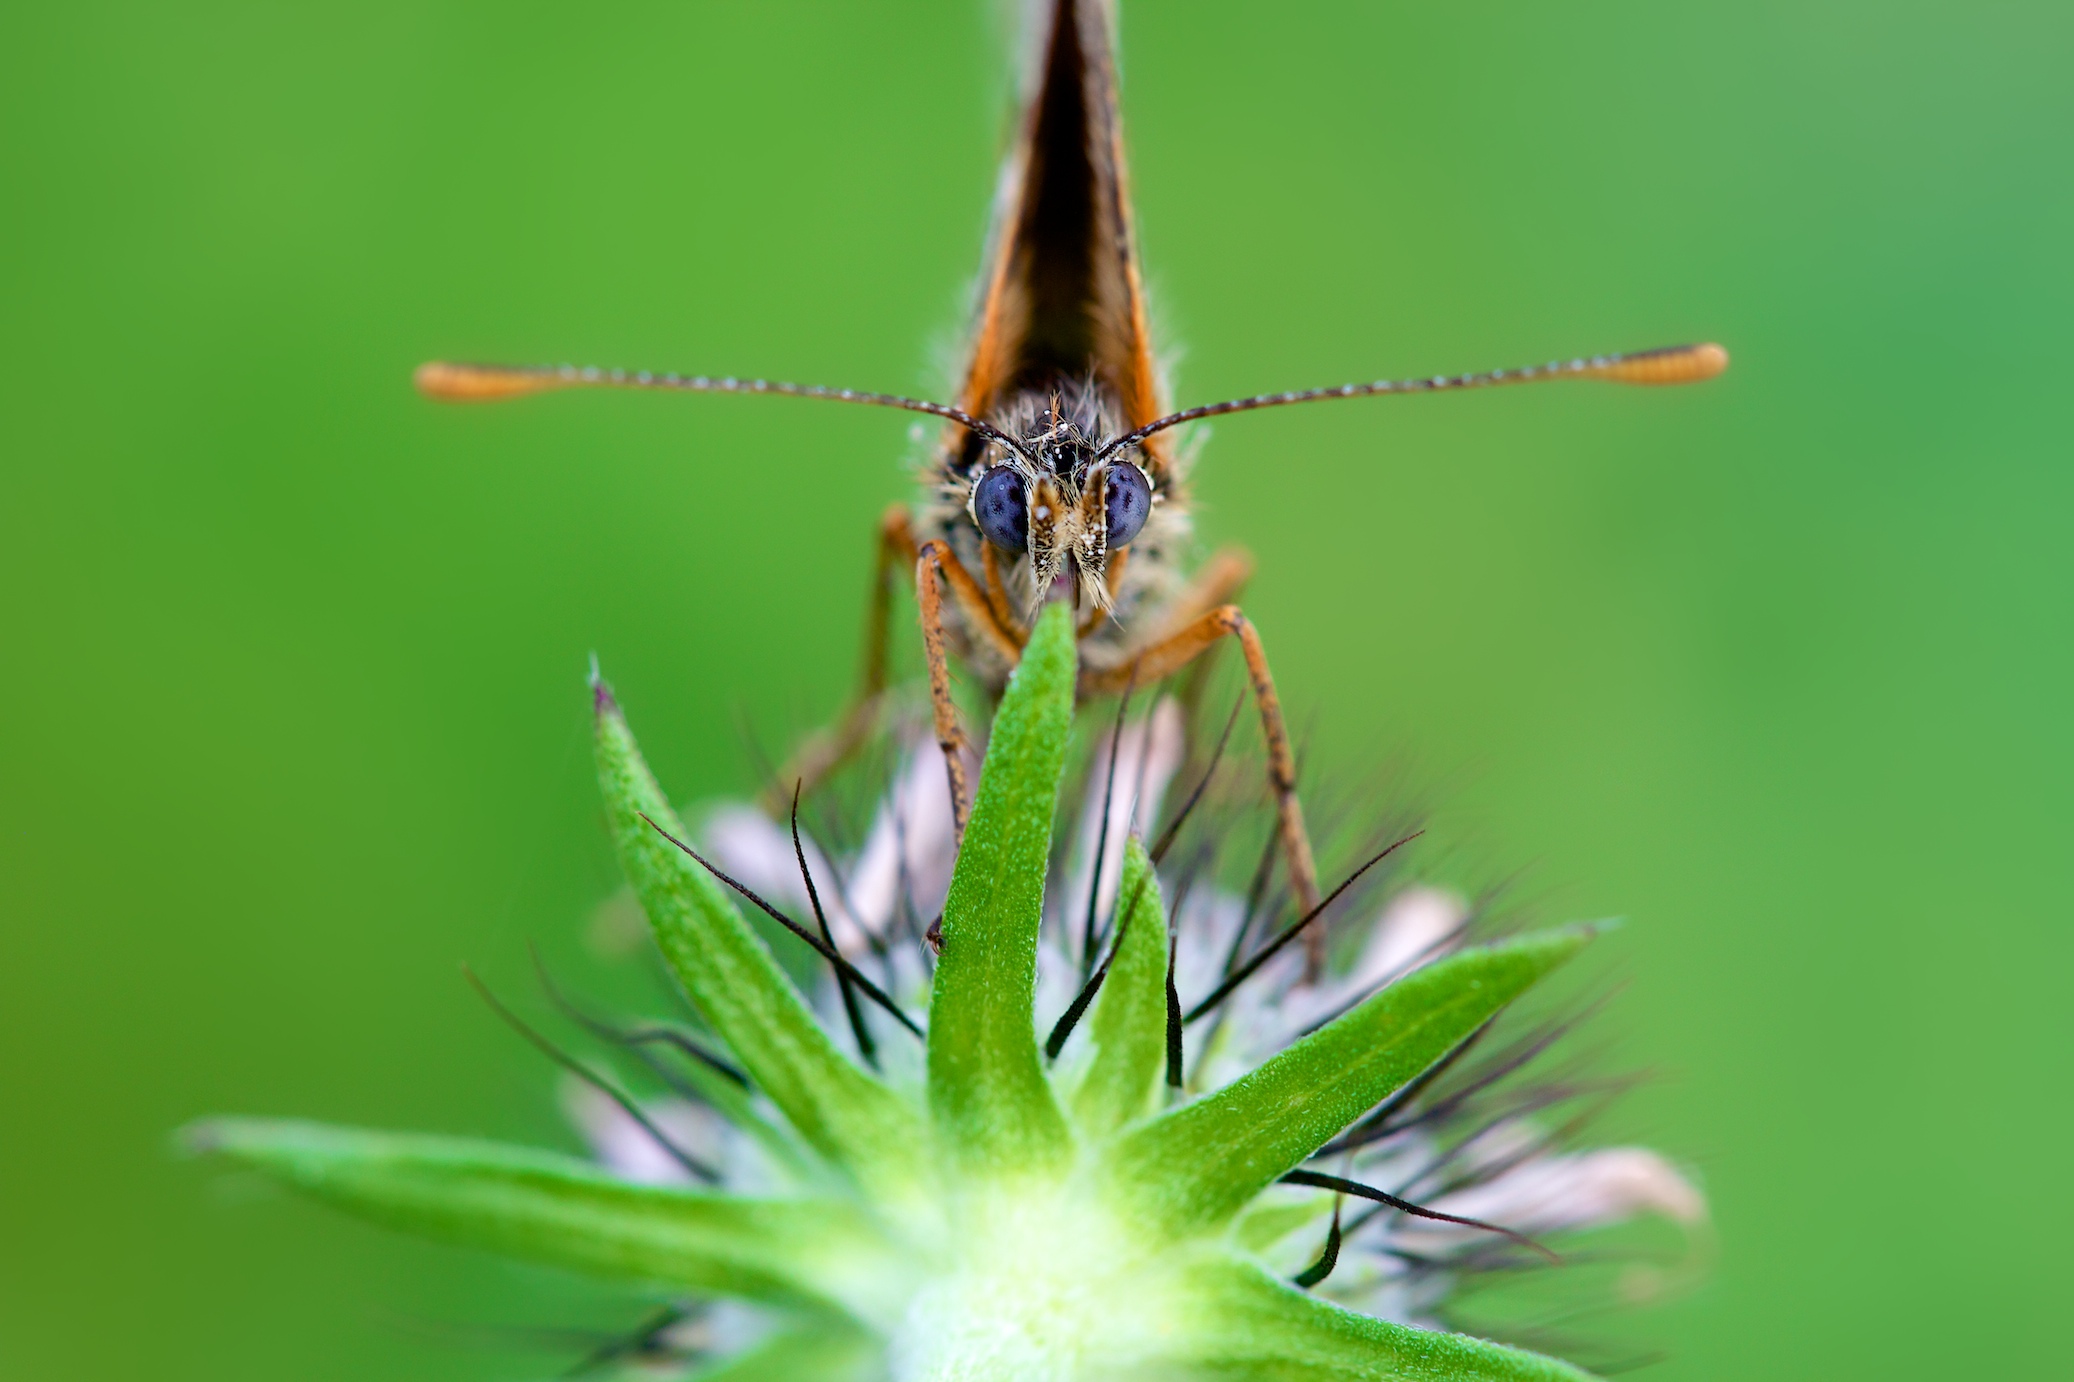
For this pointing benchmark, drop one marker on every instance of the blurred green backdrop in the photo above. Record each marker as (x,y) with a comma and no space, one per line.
(292,718)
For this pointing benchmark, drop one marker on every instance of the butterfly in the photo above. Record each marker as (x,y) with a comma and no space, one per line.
(1057,477)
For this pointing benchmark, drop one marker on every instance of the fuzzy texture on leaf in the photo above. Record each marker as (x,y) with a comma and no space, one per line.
(728,972)
(1258,1329)
(558,1210)
(949,1222)
(1129,1024)
(993,1103)
(1195,1167)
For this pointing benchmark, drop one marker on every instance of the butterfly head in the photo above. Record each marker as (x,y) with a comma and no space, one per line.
(1059,501)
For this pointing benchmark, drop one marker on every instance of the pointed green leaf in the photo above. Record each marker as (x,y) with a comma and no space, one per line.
(556,1209)
(841,1111)
(1192,1169)
(1247,1326)
(987,1085)
(1129,1023)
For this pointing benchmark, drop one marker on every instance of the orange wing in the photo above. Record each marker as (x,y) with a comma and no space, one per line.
(1063,294)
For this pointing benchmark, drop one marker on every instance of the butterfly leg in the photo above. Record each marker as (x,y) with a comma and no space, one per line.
(1217,582)
(934,562)
(1170,655)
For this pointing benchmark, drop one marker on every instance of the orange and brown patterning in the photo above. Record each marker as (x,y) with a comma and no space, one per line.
(1056,478)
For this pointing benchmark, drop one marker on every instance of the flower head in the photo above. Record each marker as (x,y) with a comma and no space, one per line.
(1062,1104)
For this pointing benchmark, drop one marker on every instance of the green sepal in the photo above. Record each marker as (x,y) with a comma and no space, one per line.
(727,971)
(987,1086)
(1192,1169)
(556,1209)
(1128,1027)
(1248,1326)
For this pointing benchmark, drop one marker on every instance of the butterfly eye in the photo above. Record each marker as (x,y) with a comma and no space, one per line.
(1129,502)
(998,508)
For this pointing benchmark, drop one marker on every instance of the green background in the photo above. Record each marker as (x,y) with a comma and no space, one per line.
(292,717)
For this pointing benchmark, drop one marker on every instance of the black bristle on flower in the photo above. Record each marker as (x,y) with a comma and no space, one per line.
(825,951)
(1344,1186)
(1216,861)
(633,1110)
(1251,965)
(1173,1015)
(1094,883)
(1263,872)
(858,1031)
(1070,1019)
(1376,1125)
(634,1038)
(877,944)
(647,1342)
(1327,1260)
(1506,1063)
(1173,830)
(1532,1148)
(1433,950)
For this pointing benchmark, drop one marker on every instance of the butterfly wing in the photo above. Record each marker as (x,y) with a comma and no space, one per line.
(1062,294)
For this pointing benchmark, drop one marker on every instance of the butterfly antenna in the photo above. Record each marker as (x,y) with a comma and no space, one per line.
(460,383)
(1685,364)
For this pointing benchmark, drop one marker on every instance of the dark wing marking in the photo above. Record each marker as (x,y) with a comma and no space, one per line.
(1063,294)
